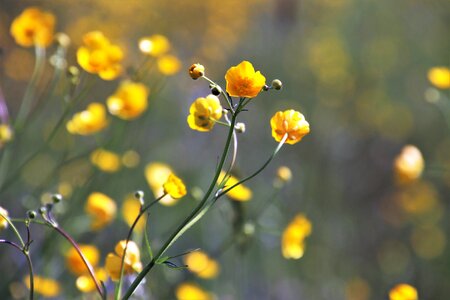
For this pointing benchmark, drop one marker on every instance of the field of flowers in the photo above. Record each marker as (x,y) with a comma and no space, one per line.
(201,150)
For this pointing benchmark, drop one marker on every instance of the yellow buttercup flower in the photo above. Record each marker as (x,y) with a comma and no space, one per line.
(408,165)
(439,77)
(86,284)
(44,286)
(243,81)
(3,216)
(174,187)
(155,45)
(169,65)
(105,160)
(403,291)
(289,122)
(196,71)
(101,208)
(293,238)
(132,262)
(33,27)
(130,210)
(191,291)
(6,134)
(156,174)
(202,265)
(238,193)
(99,56)
(89,121)
(129,101)
(131,159)
(74,262)
(204,112)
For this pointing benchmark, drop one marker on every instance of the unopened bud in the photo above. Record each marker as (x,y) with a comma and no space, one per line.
(240,127)
(62,39)
(31,214)
(284,174)
(277,84)
(216,90)
(139,195)
(266,87)
(196,71)
(42,210)
(56,198)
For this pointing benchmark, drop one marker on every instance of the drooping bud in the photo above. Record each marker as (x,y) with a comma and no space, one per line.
(196,71)
(240,127)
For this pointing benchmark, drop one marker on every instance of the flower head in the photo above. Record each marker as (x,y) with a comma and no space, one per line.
(409,164)
(89,121)
(289,122)
(101,208)
(74,262)
(196,71)
(403,291)
(44,286)
(33,27)
(191,291)
(129,101)
(105,160)
(202,265)
(169,64)
(6,134)
(174,187)
(204,112)
(99,56)
(243,81)
(155,45)
(86,284)
(293,239)
(132,261)
(439,77)
(3,216)
(157,174)
(238,193)
(130,210)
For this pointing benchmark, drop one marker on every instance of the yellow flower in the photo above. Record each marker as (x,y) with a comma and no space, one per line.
(33,27)
(202,265)
(204,112)
(196,71)
(6,134)
(439,77)
(99,56)
(293,238)
(132,262)
(408,165)
(403,291)
(101,208)
(47,287)
(157,174)
(74,262)
(238,193)
(174,187)
(3,216)
(89,121)
(105,160)
(130,159)
(191,291)
(289,122)
(169,65)
(86,284)
(154,45)
(129,101)
(284,174)
(243,81)
(130,210)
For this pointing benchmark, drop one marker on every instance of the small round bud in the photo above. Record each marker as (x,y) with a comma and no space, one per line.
(56,198)
(277,84)
(31,214)
(139,195)
(196,71)
(284,174)
(266,87)
(240,127)
(249,228)
(42,210)
(215,90)
(62,39)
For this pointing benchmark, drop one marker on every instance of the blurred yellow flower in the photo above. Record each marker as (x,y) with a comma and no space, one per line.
(289,122)
(130,159)
(439,77)
(403,291)
(3,216)
(196,71)
(202,265)
(174,187)
(33,27)
(6,134)
(238,193)
(101,208)
(105,160)
(293,238)
(169,65)
(409,164)
(130,210)
(284,174)
(74,262)
(129,101)
(157,174)
(155,45)
(132,262)
(88,121)
(99,56)
(44,286)
(191,291)
(243,81)
(86,284)
(204,112)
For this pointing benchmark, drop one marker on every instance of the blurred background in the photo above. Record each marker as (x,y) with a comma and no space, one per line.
(358,72)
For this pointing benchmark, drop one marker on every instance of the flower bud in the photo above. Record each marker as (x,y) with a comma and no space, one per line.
(62,39)
(215,90)
(240,127)
(284,174)
(56,198)
(139,195)
(42,210)
(277,84)
(266,87)
(196,71)
(31,214)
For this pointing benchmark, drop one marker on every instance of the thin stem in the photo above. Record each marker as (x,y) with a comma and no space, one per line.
(224,94)
(16,232)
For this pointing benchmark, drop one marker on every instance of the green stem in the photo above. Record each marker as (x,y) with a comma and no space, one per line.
(224,94)
(16,232)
